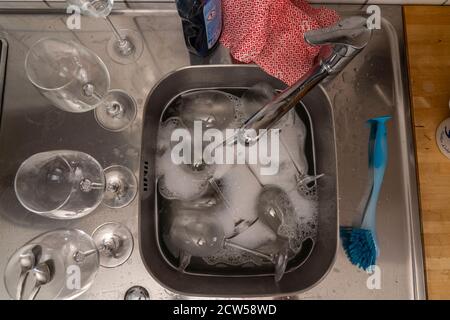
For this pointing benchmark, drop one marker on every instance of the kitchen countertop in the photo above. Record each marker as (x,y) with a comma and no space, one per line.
(428,42)
(35,126)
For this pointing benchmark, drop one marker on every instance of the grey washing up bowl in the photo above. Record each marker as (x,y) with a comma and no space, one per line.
(312,262)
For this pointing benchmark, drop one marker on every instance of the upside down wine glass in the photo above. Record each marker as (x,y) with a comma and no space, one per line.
(71,184)
(64,262)
(197,235)
(126,46)
(76,80)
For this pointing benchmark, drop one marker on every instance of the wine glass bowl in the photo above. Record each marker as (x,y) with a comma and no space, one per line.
(214,108)
(53,184)
(198,235)
(187,180)
(60,69)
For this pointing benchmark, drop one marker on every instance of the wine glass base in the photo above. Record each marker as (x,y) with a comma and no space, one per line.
(116,112)
(129,51)
(115,243)
(121,187)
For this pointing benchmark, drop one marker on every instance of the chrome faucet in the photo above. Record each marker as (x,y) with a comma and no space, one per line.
(340,44)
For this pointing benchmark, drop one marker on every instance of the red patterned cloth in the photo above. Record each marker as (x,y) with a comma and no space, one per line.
(270,34)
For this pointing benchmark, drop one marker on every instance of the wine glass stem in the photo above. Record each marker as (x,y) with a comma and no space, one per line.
(110,246)
(125,46)
(87,185)
(255,175)
(80,256)
(121,39)
(89,91)
(307,179)
(216,188)
(240,224)
(114,187)
(227,243)
(114,109)
(97,96)
(291,157)
(185,260)
(304,178)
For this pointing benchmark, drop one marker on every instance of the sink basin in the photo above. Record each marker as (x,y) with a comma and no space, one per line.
(312,262)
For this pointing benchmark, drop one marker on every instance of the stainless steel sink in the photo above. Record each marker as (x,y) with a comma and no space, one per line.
(312,263)
(374,84)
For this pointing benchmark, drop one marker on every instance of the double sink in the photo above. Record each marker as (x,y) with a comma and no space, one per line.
(374,84)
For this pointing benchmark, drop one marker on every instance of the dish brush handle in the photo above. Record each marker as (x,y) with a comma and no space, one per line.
(378,163)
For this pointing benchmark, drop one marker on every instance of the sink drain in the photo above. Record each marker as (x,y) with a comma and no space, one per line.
(137,293)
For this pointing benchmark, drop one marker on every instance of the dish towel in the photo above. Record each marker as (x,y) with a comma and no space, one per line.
(270,34)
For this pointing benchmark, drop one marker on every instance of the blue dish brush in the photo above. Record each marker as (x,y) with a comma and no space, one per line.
(360,243)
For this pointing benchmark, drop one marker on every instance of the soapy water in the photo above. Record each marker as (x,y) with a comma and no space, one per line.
(240,186)
(177,181)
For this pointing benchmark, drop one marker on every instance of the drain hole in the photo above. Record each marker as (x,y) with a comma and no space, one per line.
(145,184)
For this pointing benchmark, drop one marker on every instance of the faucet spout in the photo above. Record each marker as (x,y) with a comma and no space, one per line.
(339,43)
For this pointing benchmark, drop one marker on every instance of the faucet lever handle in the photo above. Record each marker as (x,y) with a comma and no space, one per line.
(352,32)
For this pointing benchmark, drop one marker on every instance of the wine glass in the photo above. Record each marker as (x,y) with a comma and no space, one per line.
(213,108)
(67,262)
(126,46)
(179,181)
(71,184)
(76,80)
(202,235)
(189,182)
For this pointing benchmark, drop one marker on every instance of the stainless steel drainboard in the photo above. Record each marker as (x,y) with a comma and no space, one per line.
(3,55)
